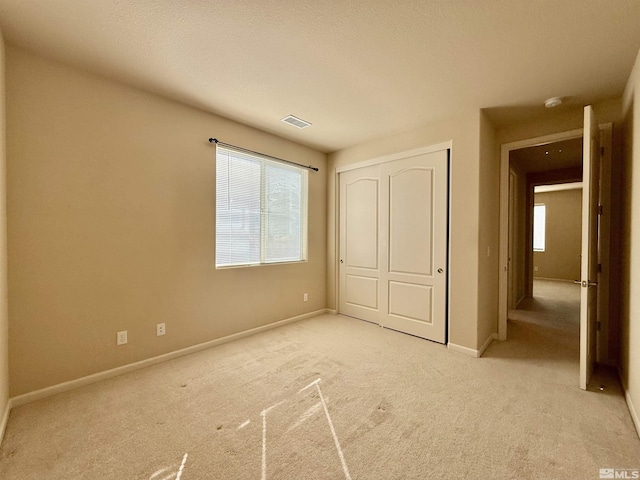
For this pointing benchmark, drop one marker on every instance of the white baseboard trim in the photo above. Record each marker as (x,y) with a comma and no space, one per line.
(627,397)
(487,342)
(5,419)
(460,349)
(114,372)
(632,411)
(564,280)
(331,311)
(470,351)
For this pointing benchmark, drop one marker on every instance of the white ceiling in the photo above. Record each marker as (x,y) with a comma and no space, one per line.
(356,69)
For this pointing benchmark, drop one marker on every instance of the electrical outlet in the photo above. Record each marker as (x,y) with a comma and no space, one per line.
(121,338)
(535,269)
(160,329)
(306,297)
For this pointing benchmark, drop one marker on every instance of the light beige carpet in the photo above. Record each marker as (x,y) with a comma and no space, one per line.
(377,405)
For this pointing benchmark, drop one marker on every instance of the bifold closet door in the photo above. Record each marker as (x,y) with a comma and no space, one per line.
(393,244)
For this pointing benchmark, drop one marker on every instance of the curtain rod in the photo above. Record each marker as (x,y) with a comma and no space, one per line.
(246,150)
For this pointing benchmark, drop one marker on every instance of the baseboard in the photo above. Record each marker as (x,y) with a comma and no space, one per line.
(330,311)
(487,342)
(564,280)
(627,397)
(470,351)
(5,419)
(632,411)
(114,372)
(460,349)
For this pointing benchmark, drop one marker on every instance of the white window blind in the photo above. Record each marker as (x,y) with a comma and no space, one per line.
(539,227)
(261,209)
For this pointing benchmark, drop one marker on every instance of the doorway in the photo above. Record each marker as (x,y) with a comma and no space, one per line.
(549,312)
(556,161)
(545,226)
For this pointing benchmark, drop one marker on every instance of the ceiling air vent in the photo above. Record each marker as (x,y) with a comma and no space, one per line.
(296,122)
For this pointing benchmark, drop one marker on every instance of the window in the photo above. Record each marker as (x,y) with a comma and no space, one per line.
(261,210)
(539,221)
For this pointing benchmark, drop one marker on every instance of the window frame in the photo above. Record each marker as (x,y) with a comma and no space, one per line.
(544,228)
(266,161)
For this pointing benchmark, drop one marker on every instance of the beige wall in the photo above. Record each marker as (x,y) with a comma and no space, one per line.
(561,258)
(464,131)
(489,232)
(111,221)
(630,246)
(4,324)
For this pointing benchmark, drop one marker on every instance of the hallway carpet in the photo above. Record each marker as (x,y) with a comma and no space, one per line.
(337,398)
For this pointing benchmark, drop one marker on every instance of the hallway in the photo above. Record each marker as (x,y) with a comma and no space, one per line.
(547,328)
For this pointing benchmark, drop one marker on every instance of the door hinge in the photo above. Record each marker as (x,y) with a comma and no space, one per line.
(602,151)
(598,325)
(599,268)
(600,210)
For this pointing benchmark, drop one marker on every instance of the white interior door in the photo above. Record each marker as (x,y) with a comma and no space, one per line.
(408,200)
(589,261)
(513,208)
(359,243)
(414,223)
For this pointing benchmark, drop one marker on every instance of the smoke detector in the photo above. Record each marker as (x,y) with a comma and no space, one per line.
(553,102)
(296,122)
